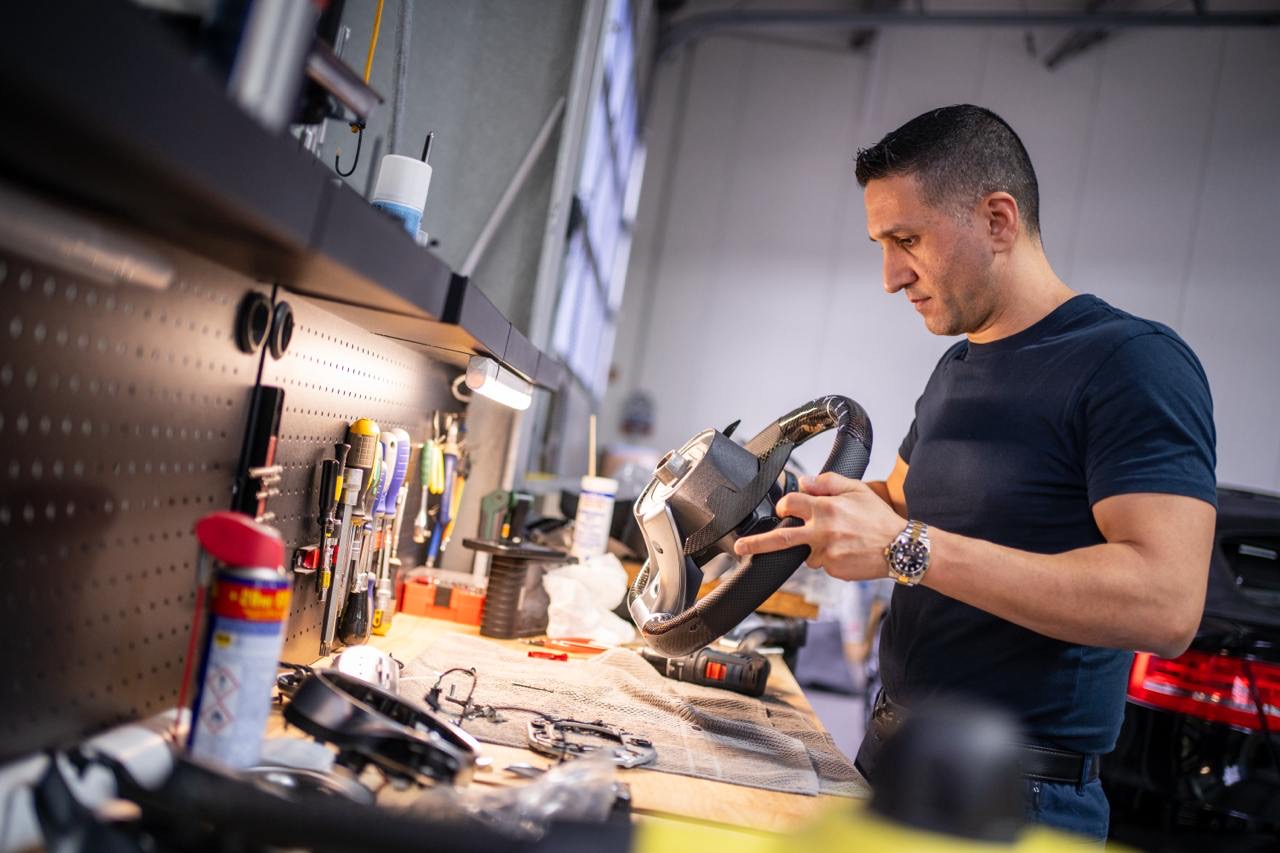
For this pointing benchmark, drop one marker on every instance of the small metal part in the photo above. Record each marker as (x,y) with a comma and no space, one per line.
(264,471)
(531,687)
(672,467)
(551,738)
(527,771)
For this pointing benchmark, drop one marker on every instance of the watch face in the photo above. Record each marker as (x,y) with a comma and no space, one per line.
(910,557)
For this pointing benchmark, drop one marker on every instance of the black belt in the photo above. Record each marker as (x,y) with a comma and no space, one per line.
(1045,763)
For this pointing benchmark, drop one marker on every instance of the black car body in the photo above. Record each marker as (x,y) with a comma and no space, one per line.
(1196,766)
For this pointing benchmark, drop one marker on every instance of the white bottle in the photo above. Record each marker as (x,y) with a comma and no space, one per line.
(594,517)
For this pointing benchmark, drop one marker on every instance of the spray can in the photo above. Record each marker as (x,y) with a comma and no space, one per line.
(248,609)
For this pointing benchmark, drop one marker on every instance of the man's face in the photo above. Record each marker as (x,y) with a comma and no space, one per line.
(941,263)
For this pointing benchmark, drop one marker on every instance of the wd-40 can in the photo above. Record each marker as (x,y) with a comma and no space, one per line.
(248,609)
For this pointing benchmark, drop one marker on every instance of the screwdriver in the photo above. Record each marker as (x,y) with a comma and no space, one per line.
(364,457)
(350,495)
(402,498)
(354,624)
(384,593)
(426,471)
(330,487)
(450,453)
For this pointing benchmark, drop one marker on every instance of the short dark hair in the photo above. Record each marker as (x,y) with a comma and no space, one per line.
(959,154)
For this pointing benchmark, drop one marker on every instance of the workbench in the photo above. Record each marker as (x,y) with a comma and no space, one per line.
(654,795)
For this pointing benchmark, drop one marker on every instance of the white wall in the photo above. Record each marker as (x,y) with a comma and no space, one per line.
(753,286)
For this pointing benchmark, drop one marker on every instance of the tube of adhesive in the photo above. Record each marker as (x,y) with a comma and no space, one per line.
(401,189)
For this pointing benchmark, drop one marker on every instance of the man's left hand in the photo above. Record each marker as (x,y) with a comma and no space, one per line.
(845,525)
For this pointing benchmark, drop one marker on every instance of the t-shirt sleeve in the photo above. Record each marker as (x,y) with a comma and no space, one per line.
(909,442)
(1148,422)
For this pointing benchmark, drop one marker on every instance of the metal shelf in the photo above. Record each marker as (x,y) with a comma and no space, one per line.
(116,117)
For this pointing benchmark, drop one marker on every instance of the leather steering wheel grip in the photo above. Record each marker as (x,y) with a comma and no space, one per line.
(760,577)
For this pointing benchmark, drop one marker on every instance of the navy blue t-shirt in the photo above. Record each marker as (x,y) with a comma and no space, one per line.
(1013,442)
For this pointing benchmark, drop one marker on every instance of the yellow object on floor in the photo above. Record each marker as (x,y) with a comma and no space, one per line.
(848,827)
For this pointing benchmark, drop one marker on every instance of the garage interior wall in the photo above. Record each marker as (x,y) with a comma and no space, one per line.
(484,75)
(753,286)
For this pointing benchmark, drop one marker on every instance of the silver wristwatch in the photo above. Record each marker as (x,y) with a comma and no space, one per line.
(908,554)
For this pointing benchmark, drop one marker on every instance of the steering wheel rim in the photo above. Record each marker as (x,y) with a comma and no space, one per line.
(705,620)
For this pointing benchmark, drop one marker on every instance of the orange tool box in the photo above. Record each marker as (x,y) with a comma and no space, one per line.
(426,597)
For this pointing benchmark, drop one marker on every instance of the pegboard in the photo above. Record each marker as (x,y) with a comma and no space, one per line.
(333,373)
(122,413)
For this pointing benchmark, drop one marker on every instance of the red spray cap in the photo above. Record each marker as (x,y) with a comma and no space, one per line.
(235,539)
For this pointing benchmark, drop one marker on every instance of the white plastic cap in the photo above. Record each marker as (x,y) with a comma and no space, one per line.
(403,180)
(600,485)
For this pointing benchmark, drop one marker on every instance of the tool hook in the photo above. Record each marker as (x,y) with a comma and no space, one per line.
(358,129)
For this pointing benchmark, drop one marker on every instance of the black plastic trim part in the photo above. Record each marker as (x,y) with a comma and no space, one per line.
(471,310)
(550,373)
(379,265)
(521,356)
(143,134)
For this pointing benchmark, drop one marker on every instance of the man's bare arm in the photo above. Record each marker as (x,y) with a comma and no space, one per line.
(891,491)
(1142,589)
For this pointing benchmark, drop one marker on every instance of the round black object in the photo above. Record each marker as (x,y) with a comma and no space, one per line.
(281,329)
(953,768)
(253,321)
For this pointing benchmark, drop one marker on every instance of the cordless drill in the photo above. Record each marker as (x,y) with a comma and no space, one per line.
(741,672)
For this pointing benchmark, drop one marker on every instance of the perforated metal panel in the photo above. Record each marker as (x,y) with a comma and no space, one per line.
(333,373)
(122,412)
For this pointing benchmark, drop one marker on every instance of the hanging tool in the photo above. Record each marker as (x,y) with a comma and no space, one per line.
(328,499)
(366,457)
(402,497)
(329,494)
(455,501)
(350,496)
(449,467)
(397,455)
(431,470)
(741,672)
(258,475)
(354,624)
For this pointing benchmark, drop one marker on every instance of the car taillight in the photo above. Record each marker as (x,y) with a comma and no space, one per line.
(1211,687)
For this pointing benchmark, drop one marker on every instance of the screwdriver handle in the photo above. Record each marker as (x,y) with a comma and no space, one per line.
(362,435)
(399,468)
(328,488)
(384,469)
(354,625)
(340,452)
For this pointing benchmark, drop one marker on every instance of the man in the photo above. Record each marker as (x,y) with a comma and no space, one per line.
(1052,506)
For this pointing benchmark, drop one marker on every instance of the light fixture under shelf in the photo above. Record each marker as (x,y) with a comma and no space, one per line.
(490,379)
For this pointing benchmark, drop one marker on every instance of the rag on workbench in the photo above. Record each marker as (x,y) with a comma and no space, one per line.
(697,731)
